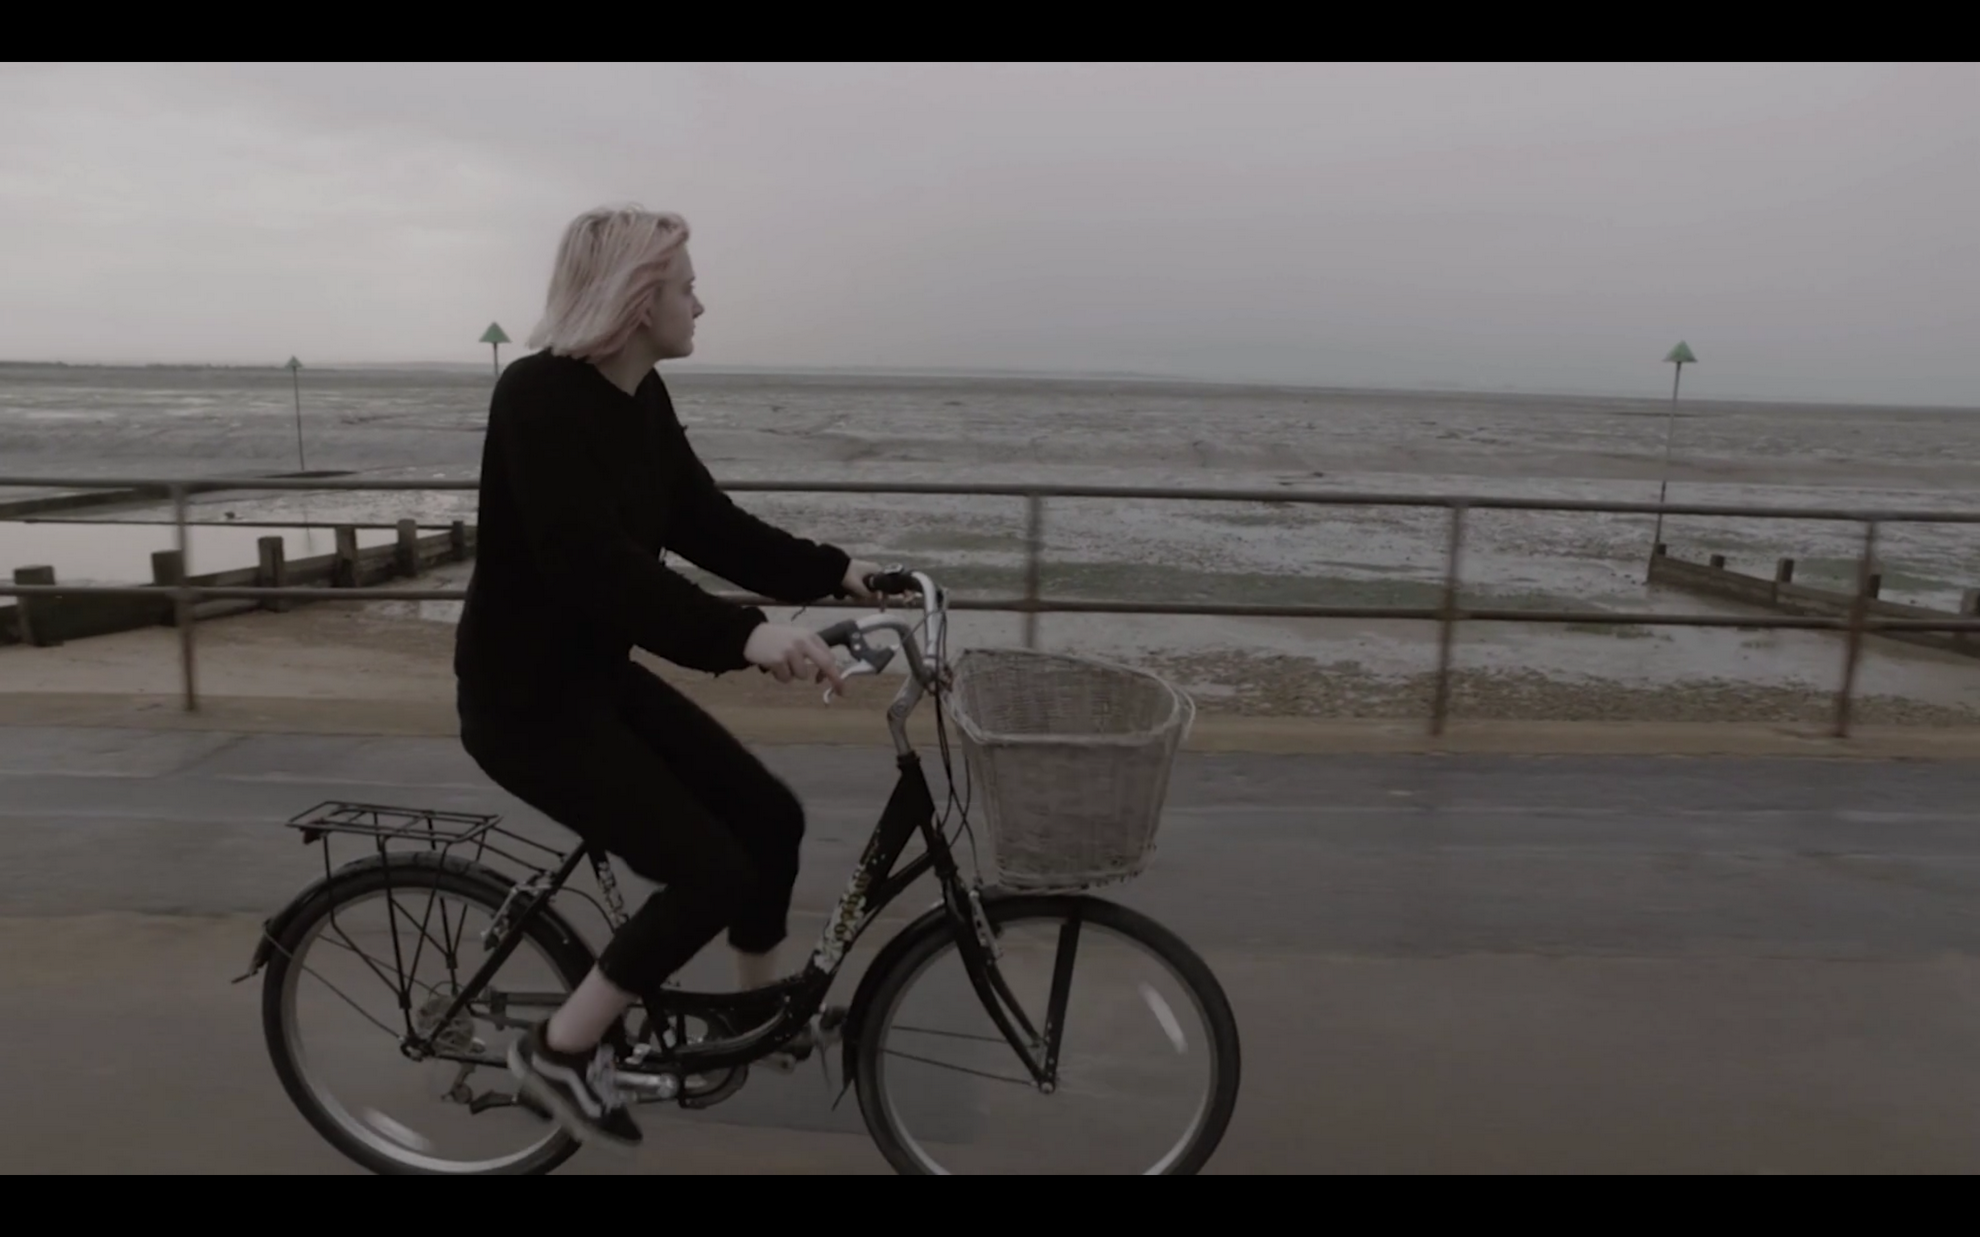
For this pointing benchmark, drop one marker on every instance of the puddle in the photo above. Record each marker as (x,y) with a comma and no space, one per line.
(88,552)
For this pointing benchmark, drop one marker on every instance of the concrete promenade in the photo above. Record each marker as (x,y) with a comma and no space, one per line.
(1758,961)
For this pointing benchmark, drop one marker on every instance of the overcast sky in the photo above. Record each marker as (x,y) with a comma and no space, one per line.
(1811,231)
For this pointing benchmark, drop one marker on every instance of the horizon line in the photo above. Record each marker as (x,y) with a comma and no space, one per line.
(741,368)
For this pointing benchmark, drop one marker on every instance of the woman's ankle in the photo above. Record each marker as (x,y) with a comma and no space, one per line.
(756,970)
(586,1016)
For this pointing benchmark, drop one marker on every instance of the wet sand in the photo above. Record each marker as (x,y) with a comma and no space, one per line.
(387,656)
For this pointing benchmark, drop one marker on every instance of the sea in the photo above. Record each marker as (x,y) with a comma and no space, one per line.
(427,423)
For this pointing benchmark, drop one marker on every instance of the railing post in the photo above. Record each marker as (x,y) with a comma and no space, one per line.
(39,626)
(457,539)
(182,608)
(1034,547)
(1440,704)
(1859,609)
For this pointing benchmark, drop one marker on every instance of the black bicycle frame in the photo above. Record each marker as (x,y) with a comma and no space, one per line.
(874,885)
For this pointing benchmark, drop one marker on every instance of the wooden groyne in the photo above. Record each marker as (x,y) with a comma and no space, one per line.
(51,620)
(1780,593)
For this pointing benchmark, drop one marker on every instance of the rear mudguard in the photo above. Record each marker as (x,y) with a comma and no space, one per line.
(498,884)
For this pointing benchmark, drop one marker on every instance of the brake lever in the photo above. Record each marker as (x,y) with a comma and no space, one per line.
(866,660)
(853,671)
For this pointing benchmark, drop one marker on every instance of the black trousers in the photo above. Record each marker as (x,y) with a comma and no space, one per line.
(638,770)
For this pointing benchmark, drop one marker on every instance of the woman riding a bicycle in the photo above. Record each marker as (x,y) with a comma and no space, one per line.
(587,477)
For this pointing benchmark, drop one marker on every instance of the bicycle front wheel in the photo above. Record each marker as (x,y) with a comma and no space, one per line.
(1148,1058)
(389,949)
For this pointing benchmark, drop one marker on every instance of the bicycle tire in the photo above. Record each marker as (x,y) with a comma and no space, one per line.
(480,886)
(938,934)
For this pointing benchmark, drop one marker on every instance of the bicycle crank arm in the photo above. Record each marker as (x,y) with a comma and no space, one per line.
(649,1087)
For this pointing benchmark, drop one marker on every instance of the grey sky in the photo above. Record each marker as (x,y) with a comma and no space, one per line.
(1809,229)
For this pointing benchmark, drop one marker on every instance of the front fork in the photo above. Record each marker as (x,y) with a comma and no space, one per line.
(977,942)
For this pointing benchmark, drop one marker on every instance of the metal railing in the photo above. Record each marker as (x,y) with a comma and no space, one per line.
(1447,614)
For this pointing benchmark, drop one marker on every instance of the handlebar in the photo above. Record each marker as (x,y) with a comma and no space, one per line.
(836,635)
(850,634)
(895,583)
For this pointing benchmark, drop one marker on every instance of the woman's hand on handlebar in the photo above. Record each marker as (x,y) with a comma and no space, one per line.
(871,582)
(855,582)
(789,653)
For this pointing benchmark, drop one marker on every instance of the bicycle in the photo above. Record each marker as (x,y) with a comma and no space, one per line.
(664,1062)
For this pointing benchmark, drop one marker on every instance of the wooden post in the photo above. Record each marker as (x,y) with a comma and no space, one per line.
(1784,571)
(1969,603)
(40,624)
(457,536)
(345,573)
(1718,562)
(1873,584)
(273,572)
(408,555)
(1660,550)
(168,570)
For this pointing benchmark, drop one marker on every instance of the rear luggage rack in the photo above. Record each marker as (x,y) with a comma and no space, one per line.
(425,828)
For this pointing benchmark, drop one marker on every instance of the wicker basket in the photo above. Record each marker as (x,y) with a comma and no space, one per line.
(1070,758)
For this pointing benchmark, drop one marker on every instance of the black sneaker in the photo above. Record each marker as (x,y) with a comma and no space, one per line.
(578,1088)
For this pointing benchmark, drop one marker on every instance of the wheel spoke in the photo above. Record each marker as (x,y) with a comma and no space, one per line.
(352,946)
(445,949)
(960,1069)
(353,1004)
(419,951)
(981,1039)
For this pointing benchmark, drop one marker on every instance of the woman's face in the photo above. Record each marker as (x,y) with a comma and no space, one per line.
(670,319)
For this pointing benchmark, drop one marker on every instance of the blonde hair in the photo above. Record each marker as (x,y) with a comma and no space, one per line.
(609,264)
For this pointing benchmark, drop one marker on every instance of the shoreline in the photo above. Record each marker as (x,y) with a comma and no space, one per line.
(1652,397)
(843,727)
(347,668)
(1345,670)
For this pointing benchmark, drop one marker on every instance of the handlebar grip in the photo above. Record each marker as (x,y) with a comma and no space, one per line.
(892,582)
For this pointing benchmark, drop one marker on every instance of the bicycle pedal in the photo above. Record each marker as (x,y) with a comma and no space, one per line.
(820,1038)
(831,1026)
(488,1100)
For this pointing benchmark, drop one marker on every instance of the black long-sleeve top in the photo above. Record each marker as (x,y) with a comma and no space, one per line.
(582,487)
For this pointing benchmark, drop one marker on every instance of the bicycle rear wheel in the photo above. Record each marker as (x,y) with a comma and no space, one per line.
(1148,1062)
(333,1019)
